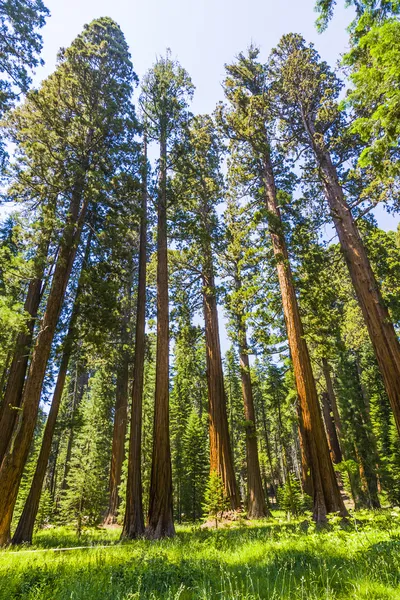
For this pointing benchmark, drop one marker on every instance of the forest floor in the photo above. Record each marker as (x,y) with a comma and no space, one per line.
(274,559)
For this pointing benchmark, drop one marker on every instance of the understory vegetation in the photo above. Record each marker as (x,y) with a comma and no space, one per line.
(258,560)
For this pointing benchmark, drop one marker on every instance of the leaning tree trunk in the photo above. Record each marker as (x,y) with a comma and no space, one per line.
(256,506)
(333,439)
(134,520)
(15,458)
(376,315)
(221,460)
(326,494)
(26,523)
(160,516)
(17,372)
(306,481)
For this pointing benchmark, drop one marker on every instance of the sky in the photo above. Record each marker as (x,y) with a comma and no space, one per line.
(202,35)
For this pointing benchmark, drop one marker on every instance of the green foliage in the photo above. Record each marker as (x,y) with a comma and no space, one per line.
(277,559)
(375,98)
(85,497)
(20,46)
(291,498)
(196,467)
(215,501)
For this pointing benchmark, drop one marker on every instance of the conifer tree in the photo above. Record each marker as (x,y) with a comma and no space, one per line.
(249,122)
(166,90)
(199,187)
(305,100)
(78,162)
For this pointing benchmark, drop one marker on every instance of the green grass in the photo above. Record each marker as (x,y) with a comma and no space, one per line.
(273,559)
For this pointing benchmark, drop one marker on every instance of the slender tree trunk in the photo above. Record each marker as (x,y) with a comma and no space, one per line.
(221,460)
(15,458)
(24,530)
(333,440)
(17,372)
(268,447)
(376,316)
(256,507)
(121,414)
(332,398)
(326,494)
(134,519)
(160,517)
(26,522)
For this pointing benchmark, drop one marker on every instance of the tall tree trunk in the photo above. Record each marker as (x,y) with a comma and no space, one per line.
(306,481)
(160,517)
(17,372)
(268,448)
(26,523)
(376,316)
(134,519)
(256,507)
(121,414)
(15,458)
(221,460)
(333,440)
(326,494)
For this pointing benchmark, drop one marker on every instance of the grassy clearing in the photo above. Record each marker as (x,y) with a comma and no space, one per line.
(273,559)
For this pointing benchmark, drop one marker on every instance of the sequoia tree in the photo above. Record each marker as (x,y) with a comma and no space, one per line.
(305,99)
(166,90)
(199,189)
(76,157)
(248,122)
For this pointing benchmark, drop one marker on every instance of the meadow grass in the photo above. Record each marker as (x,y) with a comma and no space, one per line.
(274,559)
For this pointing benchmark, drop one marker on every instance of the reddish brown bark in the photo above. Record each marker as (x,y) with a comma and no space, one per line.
(306,481)
(26,523)
(14,460)
(376,316)
(333,440)
(134,519)
(160,516)
(326,494)
(17,372)
(220,448)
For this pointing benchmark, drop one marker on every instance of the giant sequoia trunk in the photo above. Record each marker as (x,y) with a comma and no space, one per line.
(15,458)
(376,316)
(306,481)
(134,520)
(26,523)
(221,460)
(326,494)
(17,372)
(160,518)
(256,506)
